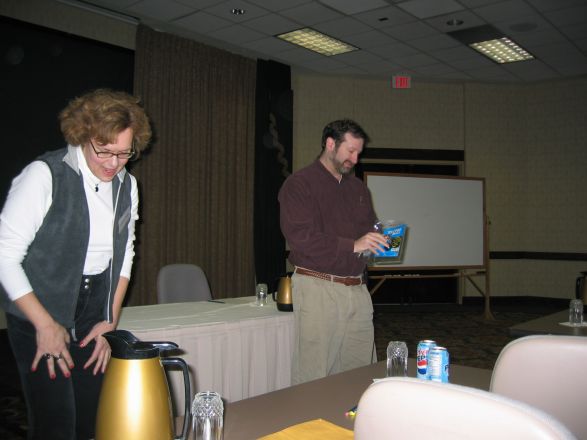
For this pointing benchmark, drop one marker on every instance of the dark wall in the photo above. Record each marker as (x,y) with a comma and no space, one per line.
(41,70)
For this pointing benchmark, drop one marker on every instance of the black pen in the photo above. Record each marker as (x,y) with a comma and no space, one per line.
(215,301)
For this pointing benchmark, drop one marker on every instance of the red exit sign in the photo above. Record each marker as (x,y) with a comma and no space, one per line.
(401,81)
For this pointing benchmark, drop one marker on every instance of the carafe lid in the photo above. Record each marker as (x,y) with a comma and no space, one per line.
(125,345)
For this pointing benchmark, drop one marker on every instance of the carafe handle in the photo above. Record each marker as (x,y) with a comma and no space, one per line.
(187,391)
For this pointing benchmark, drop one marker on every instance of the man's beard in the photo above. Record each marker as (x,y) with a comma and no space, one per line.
(340,166)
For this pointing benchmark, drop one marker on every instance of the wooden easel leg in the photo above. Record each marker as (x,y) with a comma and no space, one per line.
(487,304)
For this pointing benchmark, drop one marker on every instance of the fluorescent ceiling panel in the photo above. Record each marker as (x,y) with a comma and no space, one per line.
(317,42)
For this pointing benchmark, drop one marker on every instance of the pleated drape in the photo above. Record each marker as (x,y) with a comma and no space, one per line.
(196,181)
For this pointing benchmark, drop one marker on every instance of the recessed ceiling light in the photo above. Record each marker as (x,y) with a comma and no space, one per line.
(502,50)
(493,44)
(315,41)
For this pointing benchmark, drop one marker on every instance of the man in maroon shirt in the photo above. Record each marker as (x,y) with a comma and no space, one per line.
(327,219)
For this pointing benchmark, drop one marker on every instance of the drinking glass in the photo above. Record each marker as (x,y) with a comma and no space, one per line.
(261,294)
(207,416)
(397,359)
(576,312)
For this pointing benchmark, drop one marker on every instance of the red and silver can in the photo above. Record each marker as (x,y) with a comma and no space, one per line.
(438,365)
(422,358)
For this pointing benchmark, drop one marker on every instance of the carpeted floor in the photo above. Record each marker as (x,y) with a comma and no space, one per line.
(470,339)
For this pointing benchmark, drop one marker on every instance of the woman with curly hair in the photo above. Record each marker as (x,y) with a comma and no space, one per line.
(66,252)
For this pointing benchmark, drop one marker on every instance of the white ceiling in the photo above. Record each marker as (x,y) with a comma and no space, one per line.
(394,36)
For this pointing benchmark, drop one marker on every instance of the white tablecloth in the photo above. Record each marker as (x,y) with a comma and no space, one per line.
(235,348)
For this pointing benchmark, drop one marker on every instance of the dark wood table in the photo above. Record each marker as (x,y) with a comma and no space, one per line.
(328,398)
(548,325)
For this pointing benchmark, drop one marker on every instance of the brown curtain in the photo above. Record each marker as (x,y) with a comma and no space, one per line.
(196,180)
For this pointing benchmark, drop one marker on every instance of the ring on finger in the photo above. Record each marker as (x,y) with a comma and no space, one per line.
(57,357)
(47,356)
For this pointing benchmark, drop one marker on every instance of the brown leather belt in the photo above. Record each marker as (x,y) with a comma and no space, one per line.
(347,281)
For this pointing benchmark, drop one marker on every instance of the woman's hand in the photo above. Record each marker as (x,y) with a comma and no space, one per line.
(101,353)
(52,340)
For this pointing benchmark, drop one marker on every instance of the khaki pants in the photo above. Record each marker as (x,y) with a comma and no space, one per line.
(333,328)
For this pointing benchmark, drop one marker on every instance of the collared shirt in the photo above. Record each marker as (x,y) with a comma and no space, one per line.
(29,200)
(321,218)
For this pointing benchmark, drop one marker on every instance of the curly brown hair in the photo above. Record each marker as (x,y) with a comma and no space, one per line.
(101,115)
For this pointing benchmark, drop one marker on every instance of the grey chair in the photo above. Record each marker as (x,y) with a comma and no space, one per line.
(182,283)
(405,408)
(548,372)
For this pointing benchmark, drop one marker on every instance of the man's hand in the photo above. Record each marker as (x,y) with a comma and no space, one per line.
(371,241)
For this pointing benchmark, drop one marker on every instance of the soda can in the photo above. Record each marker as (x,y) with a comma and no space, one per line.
(422,358)
(438,365)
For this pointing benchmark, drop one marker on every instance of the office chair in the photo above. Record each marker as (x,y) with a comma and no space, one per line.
(406,408)
(182,283)
(548,372)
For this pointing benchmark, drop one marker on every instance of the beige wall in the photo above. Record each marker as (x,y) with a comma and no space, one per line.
(528,141)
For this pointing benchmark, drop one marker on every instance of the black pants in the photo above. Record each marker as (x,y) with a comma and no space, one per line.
(62,408)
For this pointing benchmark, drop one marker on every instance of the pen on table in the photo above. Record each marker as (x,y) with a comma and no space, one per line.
(351,413)
(215,301)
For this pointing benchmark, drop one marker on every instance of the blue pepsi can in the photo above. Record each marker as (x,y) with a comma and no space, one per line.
(422,358)
(438,365)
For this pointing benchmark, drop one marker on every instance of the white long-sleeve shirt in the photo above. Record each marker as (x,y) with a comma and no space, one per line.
(28,201)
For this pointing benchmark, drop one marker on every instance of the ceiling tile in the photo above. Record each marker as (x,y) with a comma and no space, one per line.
(430,8)
(358,57)
(198,4)
(476,62)
(350,7)
(385,17)
(342,26)
(236,34)
(467,17)
(272,24)
(575,31)
(416,60)
(552,5)
(369,39)
(563,17)
(492,73)
(393,50)
(223,10)
(533,70)
(435,69)
(410,31)
(432,43)
(269,45)
(311,13)
(539,38)
(523,25)
(202,22)
(276,5)
(455,53)
(504,10)
(162,9)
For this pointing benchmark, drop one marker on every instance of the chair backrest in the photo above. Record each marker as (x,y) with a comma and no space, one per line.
(405,408)
(548,372)
(182,283)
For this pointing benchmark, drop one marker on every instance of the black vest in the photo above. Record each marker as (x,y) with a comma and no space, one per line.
(55,259)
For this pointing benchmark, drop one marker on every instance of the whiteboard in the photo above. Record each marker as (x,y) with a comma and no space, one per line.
(445,217)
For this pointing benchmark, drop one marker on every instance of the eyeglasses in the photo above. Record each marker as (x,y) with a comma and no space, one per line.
(109,154)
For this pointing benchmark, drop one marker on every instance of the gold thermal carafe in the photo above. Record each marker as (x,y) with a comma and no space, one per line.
(284,298)
(134,401)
